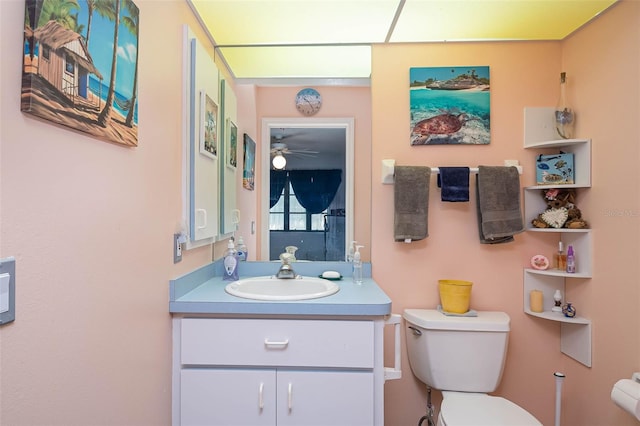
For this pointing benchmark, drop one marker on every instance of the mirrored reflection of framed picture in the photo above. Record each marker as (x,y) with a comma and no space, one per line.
(232,147)
(249,168)
(208,126)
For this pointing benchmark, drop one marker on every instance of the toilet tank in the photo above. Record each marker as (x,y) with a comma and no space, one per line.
(457,353)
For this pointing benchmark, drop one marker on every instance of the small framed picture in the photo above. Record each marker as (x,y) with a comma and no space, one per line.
(232,146)
(208,126)
(249,168)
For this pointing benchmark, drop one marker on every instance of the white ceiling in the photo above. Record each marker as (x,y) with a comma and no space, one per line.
(330,40)
(312,147)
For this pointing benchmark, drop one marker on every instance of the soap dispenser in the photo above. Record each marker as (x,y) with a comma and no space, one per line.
(230,262)
(241,250)
(351,251)
(292,251)
(357,266)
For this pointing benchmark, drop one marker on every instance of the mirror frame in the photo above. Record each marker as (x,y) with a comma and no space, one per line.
(265,164)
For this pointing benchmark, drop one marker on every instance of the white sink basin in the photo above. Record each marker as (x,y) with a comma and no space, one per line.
(272,288)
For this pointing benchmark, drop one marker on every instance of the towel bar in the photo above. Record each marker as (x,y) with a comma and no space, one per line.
(389,165)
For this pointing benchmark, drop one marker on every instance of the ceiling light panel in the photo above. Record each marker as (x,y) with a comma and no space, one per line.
(458,20)
(299,62)
(244,22)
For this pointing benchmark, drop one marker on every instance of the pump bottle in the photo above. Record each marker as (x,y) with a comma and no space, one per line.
(571,260)
(357,266)
(230,262)
(561,258)
(241,250)
(351,251)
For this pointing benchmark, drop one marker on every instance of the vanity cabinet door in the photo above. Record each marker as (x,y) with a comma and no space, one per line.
(321,398)
(227,397)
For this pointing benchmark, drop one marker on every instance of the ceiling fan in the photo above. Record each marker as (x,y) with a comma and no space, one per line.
(282,149)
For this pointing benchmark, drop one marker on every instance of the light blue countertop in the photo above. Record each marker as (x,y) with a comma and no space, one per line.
(202,292)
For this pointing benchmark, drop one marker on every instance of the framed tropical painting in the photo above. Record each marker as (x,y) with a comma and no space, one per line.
(249,167)
(209,127)
(80,66)
(232,156)
(450,106)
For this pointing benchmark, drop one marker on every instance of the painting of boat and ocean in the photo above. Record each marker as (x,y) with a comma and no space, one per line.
(450,105)
(80,66)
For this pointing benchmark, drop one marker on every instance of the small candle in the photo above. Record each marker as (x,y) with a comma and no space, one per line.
(535,300)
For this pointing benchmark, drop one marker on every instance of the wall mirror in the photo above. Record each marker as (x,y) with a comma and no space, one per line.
(307,195)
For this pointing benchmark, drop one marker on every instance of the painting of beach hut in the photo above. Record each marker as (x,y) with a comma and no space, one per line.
(80,67)
(449,106)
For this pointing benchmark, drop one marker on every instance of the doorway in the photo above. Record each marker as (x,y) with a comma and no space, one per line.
(321,150)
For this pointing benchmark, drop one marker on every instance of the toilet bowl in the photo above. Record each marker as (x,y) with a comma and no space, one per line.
(464,358)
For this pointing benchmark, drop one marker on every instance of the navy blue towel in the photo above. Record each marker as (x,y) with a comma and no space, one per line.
(454,182)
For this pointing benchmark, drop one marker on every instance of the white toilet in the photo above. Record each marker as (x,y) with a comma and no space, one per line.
(463,357)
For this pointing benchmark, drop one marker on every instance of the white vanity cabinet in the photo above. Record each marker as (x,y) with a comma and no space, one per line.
(256,371)
(540,136)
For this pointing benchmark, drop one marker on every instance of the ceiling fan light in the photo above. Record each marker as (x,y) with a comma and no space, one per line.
(279,161)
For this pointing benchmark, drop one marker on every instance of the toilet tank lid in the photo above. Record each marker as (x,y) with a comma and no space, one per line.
(433,319)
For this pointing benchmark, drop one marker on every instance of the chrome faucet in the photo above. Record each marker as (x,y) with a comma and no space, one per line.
(286,270)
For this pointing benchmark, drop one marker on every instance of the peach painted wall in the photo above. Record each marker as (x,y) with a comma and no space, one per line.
(604,62)
(90,224)
(523,74)
(248,201)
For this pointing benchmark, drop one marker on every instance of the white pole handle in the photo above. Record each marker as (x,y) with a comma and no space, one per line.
(395,372)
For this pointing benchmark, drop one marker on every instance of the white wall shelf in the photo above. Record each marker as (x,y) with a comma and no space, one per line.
(540,135)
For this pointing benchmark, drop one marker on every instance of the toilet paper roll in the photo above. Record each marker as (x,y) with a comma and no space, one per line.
(626,395)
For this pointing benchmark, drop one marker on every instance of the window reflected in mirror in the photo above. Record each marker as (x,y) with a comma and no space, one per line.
(307,203)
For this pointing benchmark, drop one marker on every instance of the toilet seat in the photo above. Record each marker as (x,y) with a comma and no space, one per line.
(477,409)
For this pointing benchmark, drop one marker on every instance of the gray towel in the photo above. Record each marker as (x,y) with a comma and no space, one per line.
(499,214)
(411,202)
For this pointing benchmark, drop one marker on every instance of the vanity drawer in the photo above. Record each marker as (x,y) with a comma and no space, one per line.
(295,343)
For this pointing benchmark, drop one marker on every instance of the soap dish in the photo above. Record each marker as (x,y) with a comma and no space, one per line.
(330,279)
(331,276)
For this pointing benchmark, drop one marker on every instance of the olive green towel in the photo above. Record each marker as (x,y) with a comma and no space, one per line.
(411,202)
(499,214)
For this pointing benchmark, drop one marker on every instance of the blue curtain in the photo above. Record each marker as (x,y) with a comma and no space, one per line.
(278,180)
(314,189)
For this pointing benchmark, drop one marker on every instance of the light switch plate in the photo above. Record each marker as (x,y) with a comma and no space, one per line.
(177,248)
(4,292)
(7,290)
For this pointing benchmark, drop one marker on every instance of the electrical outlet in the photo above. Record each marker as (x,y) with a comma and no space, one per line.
(177,248)
(7,290)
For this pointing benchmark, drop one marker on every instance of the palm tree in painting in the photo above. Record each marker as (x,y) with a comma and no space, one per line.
(131,22)
(78,28)
(32,15)
(104,8)
(105,114)
(59,11)
(39,12)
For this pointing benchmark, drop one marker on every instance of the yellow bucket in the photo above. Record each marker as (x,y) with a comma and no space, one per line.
(455,295)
